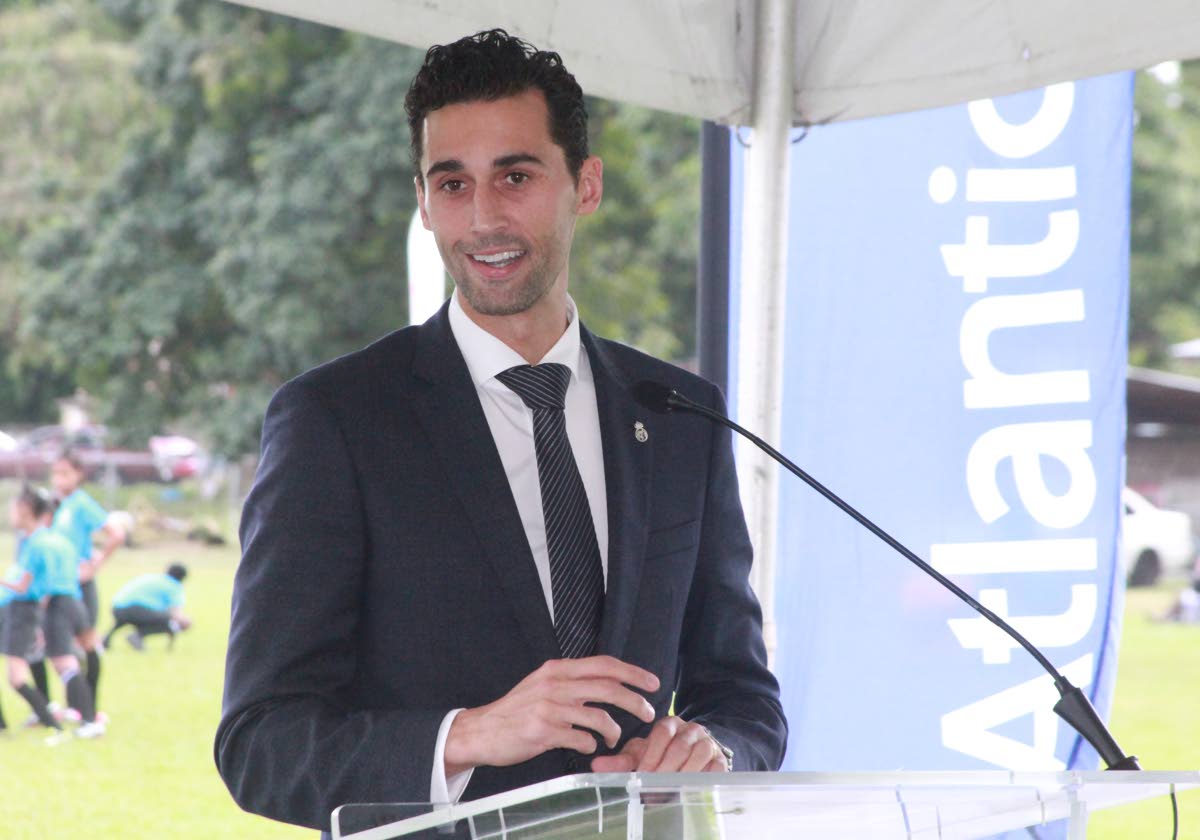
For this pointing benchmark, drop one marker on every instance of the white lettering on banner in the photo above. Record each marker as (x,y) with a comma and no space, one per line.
(968,730)
(977,260)
(1021,184)
(1066,441)
(1052,470)
(1061,630)
(992,388)
(1028,138)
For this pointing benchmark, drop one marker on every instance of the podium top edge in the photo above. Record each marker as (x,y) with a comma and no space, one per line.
(906,778)
(650,782)
(636,784)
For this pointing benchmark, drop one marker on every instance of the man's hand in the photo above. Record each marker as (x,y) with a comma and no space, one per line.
(542,711)
(673,746)
(87,571)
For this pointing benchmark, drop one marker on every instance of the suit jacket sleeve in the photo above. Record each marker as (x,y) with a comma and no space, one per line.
(290,746)
(724,682)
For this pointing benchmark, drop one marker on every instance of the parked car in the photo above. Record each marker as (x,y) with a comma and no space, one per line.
(178,457)
(1154,541)
(165,458)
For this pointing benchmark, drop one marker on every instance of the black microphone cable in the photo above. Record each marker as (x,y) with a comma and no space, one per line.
(1073,705)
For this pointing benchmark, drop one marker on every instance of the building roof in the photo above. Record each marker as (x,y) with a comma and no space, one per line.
(1155,396)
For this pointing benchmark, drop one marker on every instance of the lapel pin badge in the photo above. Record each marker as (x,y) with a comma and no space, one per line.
(639,432)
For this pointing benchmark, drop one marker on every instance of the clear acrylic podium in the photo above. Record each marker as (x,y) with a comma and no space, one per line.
(913,805)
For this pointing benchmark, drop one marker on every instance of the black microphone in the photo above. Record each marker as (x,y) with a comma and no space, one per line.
(1073,705)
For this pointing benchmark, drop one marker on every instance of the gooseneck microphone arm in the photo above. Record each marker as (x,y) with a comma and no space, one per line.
(1073,705)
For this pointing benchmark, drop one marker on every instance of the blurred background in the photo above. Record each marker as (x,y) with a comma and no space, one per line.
(200,201)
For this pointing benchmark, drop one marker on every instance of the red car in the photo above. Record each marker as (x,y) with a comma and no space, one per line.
(166,458)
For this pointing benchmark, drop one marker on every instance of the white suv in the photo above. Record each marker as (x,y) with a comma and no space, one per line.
(1154,541)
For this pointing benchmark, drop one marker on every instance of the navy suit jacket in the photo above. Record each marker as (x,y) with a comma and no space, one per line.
(386,579)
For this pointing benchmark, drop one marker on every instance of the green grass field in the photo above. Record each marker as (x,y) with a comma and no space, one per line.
(1155,713)
(152,775)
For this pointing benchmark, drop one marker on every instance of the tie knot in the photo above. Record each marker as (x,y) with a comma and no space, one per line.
(538,386)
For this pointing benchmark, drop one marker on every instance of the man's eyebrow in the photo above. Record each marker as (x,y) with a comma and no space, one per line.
(454,165)
(444,166)
(515,158)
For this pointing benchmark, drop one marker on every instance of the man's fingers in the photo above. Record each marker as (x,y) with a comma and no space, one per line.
(619,763)
(626,761)
(556,706)
(606,691)
(702,755)
(578,740)
(656,744)
(605,667)
(635,748)
(679,750)
(675,746)
(597,720)
(549,724)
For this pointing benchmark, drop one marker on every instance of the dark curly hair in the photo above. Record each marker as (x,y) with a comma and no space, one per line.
(493,65)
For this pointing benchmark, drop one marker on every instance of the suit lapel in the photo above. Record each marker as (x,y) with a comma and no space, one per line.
(627,463)
(453,420)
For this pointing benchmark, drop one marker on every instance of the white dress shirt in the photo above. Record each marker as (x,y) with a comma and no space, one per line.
(511,424)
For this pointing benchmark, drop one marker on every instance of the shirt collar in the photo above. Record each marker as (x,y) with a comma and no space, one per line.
(487,355)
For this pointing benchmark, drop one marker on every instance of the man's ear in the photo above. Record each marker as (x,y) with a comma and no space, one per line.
(420,185)
(590,187)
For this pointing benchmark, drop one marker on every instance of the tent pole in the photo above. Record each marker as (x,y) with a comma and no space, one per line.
(763,286)
(712,280)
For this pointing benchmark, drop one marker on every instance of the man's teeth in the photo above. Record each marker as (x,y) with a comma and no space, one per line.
(497,259)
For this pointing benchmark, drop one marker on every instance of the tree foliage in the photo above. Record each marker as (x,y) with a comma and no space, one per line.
(1165,227)
(65,99)
(251,229)
(255,223)
(634,264)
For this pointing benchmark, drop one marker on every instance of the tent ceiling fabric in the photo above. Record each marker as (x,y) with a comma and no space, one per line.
(674,55)
(868,57)
(854,58)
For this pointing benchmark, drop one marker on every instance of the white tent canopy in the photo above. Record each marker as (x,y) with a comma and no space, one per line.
(853,58)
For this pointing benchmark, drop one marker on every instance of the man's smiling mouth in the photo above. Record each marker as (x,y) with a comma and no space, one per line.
(500,260)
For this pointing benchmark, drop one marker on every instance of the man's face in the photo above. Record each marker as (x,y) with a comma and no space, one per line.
(64,477)
(500,201)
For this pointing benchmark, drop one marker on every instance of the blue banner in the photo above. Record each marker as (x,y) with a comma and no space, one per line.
(955,368)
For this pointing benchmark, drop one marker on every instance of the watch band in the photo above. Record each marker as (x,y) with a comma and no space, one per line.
(725,751)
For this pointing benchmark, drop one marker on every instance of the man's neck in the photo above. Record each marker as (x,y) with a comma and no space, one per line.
(530,333)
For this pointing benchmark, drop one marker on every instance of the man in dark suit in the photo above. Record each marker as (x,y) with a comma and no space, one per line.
(471,561)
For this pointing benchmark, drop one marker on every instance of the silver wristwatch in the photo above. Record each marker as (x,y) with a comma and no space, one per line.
(725,751)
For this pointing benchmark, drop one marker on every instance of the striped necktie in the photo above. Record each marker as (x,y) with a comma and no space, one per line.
(576,576)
